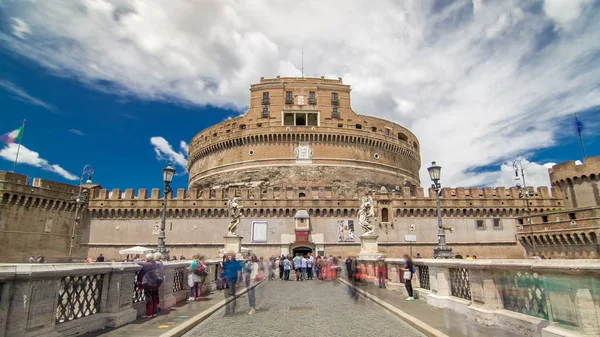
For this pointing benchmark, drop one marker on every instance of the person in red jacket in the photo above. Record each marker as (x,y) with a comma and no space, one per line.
(381,271)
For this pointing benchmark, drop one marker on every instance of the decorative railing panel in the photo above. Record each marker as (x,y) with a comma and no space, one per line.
(459,283)
(79,296)
(179,275)
(138,292)
(525,293)
(424,277)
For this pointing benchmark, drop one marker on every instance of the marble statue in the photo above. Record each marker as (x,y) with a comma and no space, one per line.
(235,213)
(366,213)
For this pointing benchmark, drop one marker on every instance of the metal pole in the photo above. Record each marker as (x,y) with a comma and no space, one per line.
(163,224)
(410,245)
(528,210)
(19,147)
(441,232)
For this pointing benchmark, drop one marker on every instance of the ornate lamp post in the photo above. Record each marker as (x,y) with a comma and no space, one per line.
(520,173)
(442,251)
(81,202)
(168,173)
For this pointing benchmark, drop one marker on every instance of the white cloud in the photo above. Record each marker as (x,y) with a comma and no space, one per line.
(565,13)
(24,96)
(20,28)
(164,151)
(479,82)
(77,132)
(29,157)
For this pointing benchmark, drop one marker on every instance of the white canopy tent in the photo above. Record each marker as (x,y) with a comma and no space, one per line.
(136,250)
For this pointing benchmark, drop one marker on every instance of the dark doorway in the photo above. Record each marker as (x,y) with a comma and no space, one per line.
(302,250)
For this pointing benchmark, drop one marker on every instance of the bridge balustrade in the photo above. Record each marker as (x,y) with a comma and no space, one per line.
(73,299)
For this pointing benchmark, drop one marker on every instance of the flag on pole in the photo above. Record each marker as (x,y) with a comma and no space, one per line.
(12,136)
(579,128)
(578,124)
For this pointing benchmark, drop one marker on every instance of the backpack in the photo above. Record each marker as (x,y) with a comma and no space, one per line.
(152,279)
(201,270)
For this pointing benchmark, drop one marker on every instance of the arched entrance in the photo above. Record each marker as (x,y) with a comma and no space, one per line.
(302,250)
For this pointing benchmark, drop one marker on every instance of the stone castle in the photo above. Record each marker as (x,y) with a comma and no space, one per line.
(299,160)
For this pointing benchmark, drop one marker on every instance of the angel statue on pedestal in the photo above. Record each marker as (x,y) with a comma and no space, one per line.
(235,213)
(366,213)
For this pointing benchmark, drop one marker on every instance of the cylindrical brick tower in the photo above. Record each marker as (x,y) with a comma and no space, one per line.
(303,132)
(578,183)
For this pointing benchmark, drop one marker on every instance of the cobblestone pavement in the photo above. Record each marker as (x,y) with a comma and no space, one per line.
(305,308)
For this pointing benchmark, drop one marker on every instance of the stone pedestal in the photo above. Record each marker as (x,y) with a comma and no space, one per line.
(234,243)
(368,247)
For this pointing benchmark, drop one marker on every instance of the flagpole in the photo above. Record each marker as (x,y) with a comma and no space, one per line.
(579,127)
(19,147)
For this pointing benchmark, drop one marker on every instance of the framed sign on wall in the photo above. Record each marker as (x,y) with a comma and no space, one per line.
(259,231)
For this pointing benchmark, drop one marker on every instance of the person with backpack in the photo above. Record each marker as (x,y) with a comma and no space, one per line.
(409,271)
(149,279)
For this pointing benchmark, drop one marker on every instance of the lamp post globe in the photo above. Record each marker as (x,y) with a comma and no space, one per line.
(435,172)
(442,251)
(168,174)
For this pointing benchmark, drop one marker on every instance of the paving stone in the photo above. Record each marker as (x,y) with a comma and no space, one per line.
(302,309)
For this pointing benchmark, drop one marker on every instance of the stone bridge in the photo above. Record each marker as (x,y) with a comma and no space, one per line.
(454,298)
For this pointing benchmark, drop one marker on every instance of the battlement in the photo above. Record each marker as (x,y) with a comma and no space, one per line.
(313,192)
(570,171)
(305,80)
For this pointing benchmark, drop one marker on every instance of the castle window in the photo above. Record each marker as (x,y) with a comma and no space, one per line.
(520,221)
(289,97)
(312,119)
(402,137)
(479,224)
(335,113)
(312,99)
(301,195)
(243,127)
(265,112)
(571,216)
(384,215)
(358,127)
(334,99)
(374,129)
(497,223)
(265,98)
(340,125)
(301,118)
(388,131)
(415,146)
(259,125)
(288,119)
(227,131)
(214,134)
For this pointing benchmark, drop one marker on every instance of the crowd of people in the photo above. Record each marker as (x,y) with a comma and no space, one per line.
(235,272)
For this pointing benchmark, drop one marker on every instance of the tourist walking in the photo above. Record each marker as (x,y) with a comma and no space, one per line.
(287,265)
(304,266)
(298,266)
(232,272)
(381,271)
(409,271)
(149,279)
(251,275)
(309,266)
(281,270)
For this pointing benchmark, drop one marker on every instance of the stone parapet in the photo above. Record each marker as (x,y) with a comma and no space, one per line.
(74,299)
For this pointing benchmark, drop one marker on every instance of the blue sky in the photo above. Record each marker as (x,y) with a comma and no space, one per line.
(480,83)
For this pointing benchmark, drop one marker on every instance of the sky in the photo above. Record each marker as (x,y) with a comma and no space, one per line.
(125,85)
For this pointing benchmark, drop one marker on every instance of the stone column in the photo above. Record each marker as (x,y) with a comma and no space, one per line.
(234,243)
(439,281)
(119,302)
(368,247)
(165,294)
(485,298)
